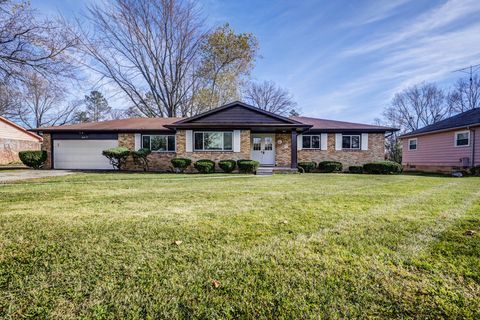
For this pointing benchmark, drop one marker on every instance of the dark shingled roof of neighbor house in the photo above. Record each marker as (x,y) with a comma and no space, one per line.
(464,119)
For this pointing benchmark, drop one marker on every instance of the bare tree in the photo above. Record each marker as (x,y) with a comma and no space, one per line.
(9,100)
(417,106)
(268,96)
(227,58)
(29,44)
(465,95)
(116,114)
(149,49)
(42,103)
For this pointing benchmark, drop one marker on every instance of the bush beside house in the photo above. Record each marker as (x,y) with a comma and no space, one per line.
(330,166)
(117,156)
(355,169)
(382,167)
(205,166)
(180,164)
(307,166)
(247,166)
(227,165)
(140,157)
(33,158)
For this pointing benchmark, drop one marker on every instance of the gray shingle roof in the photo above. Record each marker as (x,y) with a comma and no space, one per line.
(467,118)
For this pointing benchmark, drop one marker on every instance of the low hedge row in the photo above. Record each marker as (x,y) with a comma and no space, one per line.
(475,171)
(330,166)
(208,166)
(382,167)
(378,167)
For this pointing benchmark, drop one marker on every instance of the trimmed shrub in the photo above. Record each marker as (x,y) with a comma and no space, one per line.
(330,166)
(33,159)
(180,164)
(307,166)
(140,157)
(205,166)
(382,167)
(248,166)
(238,161)
(355,169)
(117,156)
(475,171)
(227,165)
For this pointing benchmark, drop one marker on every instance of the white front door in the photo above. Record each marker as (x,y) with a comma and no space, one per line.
(263,149)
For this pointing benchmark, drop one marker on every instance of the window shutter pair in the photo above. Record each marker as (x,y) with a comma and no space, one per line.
(323,141)
(338,141)
(189,140)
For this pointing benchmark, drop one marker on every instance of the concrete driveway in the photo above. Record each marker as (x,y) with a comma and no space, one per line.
(24,174)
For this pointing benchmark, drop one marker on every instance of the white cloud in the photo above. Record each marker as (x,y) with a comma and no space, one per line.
(430,49)
(448,13)
(377,11)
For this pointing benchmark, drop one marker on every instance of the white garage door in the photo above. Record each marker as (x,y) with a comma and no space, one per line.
(82,154)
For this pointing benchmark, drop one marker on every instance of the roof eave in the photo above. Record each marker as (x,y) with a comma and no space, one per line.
(365,130)
(212,111)
(48,130)
(409,135)
(235,125)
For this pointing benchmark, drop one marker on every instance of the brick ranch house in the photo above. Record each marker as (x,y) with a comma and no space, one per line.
(233,131)
(448,145)
(14,138)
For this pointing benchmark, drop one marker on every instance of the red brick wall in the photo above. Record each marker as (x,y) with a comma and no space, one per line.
(375,152)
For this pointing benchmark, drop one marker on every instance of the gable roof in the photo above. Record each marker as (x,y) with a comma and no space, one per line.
(333,125)
(124,125)
(464,119)
(237,113)
(20,128)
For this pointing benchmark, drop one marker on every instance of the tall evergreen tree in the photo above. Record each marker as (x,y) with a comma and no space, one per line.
(97,107)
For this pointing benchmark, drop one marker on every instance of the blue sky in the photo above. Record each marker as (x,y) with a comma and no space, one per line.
(345,59)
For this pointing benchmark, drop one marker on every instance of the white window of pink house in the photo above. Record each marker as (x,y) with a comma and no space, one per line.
(462,139)
(412,144)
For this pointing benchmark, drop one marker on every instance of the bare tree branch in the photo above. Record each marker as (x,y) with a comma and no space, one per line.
(42,103)
(29,44)
(268,96)
(148,48)
(465,95)
(417,106)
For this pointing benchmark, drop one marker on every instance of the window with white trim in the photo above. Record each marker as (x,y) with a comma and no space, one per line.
(213,141)
(159,142)
(351,142)
(462,139)
(311,142)
(412,144)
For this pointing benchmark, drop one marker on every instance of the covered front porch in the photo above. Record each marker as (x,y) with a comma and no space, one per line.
(275,149)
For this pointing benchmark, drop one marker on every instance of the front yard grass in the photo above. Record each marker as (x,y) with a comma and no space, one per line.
(286,246)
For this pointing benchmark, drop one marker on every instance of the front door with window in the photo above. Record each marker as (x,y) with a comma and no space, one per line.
(263,149)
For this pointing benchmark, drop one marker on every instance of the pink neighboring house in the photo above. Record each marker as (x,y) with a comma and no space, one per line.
(449,145)
(14,138)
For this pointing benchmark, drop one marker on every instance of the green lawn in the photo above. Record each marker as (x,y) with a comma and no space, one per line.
(286,246)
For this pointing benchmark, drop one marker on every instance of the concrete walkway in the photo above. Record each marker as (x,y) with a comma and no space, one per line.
(24,174)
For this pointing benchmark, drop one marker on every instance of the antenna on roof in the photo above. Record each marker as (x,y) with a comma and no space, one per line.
(470,71)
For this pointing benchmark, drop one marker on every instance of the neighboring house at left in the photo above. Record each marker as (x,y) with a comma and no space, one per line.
(14,138)
(234,131)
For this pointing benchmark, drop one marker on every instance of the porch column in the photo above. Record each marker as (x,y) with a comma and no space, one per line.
(293,146)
